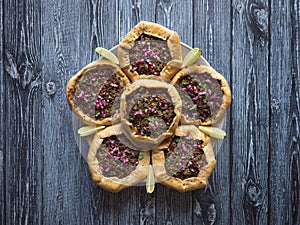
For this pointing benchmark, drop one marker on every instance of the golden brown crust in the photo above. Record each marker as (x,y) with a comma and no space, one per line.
(71,89)
(189,184)
(224,86)
(156,30)
(131,132)
(114,184)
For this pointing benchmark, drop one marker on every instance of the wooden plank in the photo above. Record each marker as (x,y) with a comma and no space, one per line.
(2,137)
(285,112)
(22,112)
(250,112)
(172,13)
(136,206)
(212,34)
(133,11)
(99,26)
(61,197)
(173,207)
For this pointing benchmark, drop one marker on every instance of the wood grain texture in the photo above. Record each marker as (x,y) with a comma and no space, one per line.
(175,207)
(99,24)
(44,179)
(178,16)
(2,122)
(136,206)
(250,112)
(211,28)
(21,97)
(285,113)
(61,196)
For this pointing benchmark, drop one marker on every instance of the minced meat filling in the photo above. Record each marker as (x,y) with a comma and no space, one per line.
(205,95)
(116,159)
(150,114)
(184,157)
(96,91)
(149,55)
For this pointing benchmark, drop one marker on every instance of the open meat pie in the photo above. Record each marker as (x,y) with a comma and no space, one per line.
(185,162)
(113,164)
(150,112)
(150,49)
(206,94)
(91,93)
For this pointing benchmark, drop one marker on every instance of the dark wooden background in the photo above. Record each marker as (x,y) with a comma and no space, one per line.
(254,43)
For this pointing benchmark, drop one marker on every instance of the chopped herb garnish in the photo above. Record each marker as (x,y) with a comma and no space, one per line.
(151,119)
(177,139)
(141,156)
(185,83)
(193,107)
(113,90)
(139,104)
(95,84)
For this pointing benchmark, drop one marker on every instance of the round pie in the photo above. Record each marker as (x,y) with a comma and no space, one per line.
(150,49)
(205,94)
(186,161)
(113,164)
(92,92)
(150,112)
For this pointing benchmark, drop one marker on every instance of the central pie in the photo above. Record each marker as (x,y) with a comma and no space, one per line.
(150,112)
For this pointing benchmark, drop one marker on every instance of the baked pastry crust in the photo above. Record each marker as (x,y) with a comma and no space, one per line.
(71,90)
(224,87)
(146,142)
(155,30)
(115,184)
(188,184)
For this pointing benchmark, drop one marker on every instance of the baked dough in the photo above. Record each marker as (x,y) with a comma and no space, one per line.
(114,184)
(73,82)
(158,31)
(188,184)
(226,100)
(138,140)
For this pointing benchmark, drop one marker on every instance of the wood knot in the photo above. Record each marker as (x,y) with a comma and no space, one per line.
(51,88)
(253,193)
(257,17)
(240,7)
(211,214)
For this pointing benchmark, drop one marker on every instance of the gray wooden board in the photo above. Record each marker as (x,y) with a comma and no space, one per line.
(181,212)
(99,26)
(61,195)
(2,142)
(2,137)
(250,112)
(210,30)
(22,112)
(44,179)
(285,113)
(138,209)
